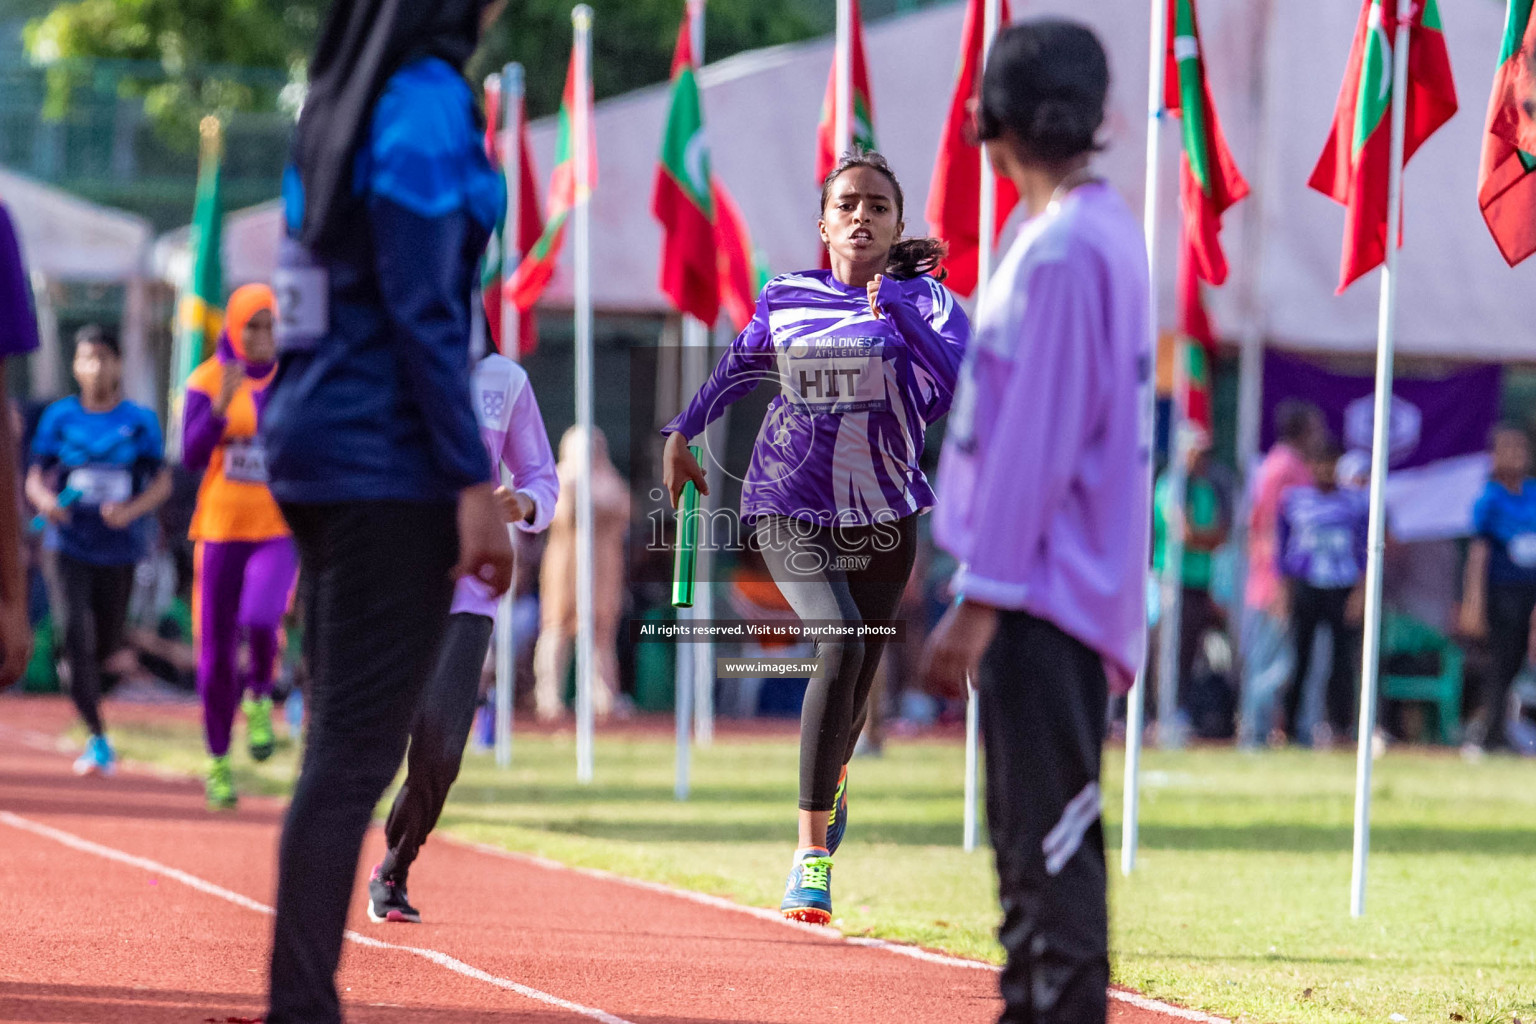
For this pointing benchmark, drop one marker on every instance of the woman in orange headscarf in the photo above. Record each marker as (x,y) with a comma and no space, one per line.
(245,561)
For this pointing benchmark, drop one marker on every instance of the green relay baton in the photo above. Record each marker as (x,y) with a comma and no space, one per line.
(686,557)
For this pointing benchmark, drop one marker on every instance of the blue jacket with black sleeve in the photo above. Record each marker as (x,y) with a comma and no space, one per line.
(371,400)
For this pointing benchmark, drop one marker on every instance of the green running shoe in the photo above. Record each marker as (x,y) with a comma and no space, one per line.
(808,893)
(258,727)
(221,785)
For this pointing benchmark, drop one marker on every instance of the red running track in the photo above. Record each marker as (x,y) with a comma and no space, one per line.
(131,903)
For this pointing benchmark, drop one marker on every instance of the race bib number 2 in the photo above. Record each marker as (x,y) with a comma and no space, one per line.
(303,292)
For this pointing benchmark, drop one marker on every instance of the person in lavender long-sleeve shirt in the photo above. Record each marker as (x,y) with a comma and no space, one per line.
(513,432)
(18,336)
(1044,492)
(864,356)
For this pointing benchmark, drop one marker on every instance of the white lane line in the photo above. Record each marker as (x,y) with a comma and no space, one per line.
(819,931)
(40,741)
(202,885)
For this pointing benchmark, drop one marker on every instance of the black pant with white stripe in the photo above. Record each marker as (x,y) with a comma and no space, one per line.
(1043,695)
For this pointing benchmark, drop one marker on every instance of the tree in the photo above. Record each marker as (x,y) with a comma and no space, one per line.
(186,58)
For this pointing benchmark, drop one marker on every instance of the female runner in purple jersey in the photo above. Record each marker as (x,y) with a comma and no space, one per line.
(865,357)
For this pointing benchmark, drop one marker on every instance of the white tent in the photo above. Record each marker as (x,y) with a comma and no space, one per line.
(66,238)
(1275,73)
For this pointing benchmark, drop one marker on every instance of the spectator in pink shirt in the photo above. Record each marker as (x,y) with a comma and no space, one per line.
(1268,652)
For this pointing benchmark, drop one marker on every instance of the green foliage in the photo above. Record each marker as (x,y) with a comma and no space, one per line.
(632,40)
(185,58)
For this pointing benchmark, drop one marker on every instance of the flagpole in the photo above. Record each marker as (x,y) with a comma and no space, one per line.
(985,235)
(696,338)
(1136,701)
(1380,437)
(842,114)
(581,20)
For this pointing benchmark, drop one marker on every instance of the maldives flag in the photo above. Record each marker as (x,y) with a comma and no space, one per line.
(954,197)
(861,123)
(538,266)
(1356,164)
(1196,339)
(530,223)
(1209,181)
(682,198)
(1506,182)
(742,272)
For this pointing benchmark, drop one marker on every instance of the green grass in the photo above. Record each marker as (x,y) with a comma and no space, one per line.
(1239,904)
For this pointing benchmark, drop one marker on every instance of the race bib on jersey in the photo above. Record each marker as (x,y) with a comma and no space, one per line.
(101,485)
(834,375)
(303,292)
(1522,550)
(245,462)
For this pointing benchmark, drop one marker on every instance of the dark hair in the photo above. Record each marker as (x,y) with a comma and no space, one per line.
(1046,81)
(910,257)
(95,334)
(1327,450)
(1293,417)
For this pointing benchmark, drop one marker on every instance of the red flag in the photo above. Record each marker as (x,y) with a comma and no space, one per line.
(1194,340)
(954,197)
(861,108)
(682,198)
(1355,167)
(741,274)
(1209,181)
(530,222)
(565,191)
(1506,181)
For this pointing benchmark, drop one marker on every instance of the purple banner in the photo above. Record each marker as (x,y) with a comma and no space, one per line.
(1432,419)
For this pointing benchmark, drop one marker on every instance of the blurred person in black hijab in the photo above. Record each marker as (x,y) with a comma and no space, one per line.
(370,440)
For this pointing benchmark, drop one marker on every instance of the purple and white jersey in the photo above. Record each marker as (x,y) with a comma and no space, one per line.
(513,432)
(842,440)
(1323,536)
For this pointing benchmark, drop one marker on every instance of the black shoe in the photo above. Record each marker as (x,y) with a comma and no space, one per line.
(387,900)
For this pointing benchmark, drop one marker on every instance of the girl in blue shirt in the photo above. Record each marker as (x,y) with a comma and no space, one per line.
(97,470)
(373,448)
(1499,591)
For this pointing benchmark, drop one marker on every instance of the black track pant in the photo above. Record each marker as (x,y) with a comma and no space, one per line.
(96,610)
(1312,607)
(443,720)
(837,574)
(1043,695)
(378,589)
(1509,634)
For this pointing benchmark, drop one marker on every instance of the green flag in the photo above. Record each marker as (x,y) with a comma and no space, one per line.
(198,317)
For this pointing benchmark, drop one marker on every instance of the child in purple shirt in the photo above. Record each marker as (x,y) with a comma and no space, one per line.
(1322,553)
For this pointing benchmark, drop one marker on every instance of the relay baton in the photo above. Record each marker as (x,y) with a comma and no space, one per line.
(67,497)
(686,557)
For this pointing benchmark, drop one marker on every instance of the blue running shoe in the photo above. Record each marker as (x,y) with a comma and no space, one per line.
(837,821)
(808,893)
(98,759)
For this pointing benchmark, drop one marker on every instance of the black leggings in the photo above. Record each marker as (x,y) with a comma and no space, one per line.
(1312,607)
(443,720)
(377,590)
(96,609)
(837,574)
(1510,607)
